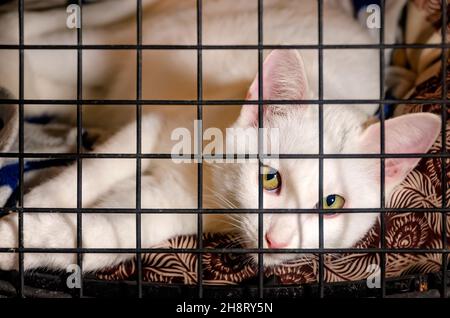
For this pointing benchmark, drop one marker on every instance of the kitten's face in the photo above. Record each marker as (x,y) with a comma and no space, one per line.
(350,183)
(294,183)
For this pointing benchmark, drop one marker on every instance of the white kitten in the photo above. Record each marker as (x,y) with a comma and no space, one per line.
(356,180)
(111,182)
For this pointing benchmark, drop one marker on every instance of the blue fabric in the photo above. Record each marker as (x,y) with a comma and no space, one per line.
(388,111)
(40,120)
(9,174)
(388,108)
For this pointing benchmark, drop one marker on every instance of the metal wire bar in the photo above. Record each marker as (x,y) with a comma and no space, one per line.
(260,148)
(74,156)
(444,59)
(5,211)
(138,147)
(79,146)
(218,47)
(199,142)
(382,160)
(223,102)
(321,272)
(21,146)
(132,251)
(219,156)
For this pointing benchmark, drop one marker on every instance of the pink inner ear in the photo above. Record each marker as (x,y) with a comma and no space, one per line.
(396,168)
(413,133)
(284,78)
(249,113)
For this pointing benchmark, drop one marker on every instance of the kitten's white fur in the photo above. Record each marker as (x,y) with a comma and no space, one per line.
(226,74)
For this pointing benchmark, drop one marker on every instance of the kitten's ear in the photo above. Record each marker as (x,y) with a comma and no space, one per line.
(284,78)
(412,133)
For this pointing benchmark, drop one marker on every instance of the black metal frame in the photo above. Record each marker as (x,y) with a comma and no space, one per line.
(200,102)
(44,285)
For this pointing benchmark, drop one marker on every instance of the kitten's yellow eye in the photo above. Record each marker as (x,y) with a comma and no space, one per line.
(333,201)
(271,179)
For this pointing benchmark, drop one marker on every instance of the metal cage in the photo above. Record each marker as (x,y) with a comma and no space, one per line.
(140,289)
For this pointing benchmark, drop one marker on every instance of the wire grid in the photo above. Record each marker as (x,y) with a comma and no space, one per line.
(382,160)
(200,102)
(79,148)
(444,289)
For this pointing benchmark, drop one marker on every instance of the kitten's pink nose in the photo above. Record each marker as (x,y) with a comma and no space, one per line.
(273,243)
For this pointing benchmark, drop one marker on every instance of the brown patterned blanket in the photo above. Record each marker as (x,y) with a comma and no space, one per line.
(421,189)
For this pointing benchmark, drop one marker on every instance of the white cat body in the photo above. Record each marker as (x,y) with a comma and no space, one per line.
(110,183)
(226,73)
